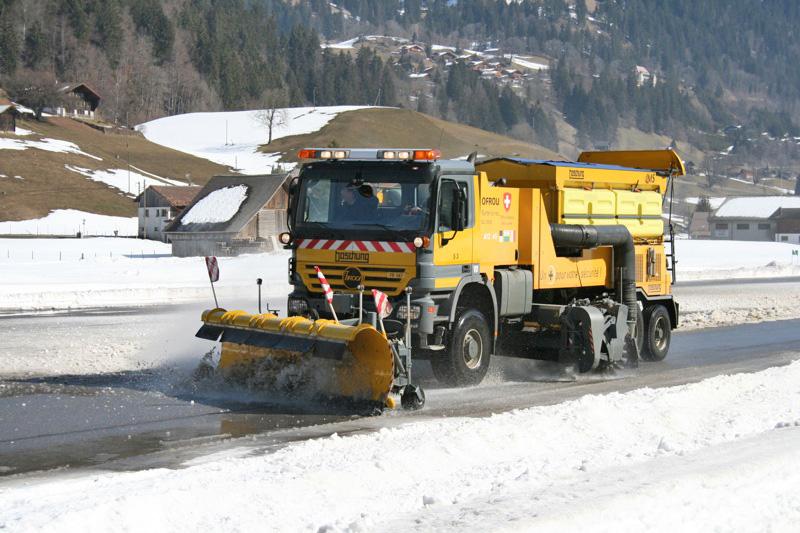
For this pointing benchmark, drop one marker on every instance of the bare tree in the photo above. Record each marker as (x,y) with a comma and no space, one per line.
(37,90)
(273,114)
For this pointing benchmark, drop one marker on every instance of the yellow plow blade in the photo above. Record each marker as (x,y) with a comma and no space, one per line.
(337,360)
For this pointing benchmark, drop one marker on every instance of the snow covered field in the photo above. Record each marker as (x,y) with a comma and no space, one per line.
(233,138)
(69,222)
(41,274)
(720,454)
(49,273)
(710,259)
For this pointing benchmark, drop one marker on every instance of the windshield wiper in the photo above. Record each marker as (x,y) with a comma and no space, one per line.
(393,231)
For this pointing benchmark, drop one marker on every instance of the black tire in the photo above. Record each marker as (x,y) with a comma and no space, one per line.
(658,333)
(639,331)
(465,361)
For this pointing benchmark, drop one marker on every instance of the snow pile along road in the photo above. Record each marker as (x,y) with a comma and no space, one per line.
(219,206)
(649,459)
(725,304)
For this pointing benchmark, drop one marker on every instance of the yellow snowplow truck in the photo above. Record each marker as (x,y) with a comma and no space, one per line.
(548,259)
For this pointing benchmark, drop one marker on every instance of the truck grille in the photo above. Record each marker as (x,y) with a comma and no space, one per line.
(391,280)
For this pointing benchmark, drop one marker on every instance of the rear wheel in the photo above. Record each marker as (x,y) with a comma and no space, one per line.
(657,333)
(466,359)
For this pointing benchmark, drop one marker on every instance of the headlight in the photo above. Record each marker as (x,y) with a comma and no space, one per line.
(297,306)
(285,237)
(402,313)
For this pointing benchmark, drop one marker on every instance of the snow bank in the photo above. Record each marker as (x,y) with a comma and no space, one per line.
(715,305)
(70,222)
(129,182)
(219,206)
(233,138)
(719,454)
(41,274)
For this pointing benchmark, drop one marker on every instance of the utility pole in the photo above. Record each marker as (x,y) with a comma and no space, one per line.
(128,149)
(144,201)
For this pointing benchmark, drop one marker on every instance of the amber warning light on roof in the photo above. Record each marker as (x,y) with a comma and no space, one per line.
(402,154)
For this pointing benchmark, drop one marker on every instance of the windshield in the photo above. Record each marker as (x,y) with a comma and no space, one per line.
(388,203)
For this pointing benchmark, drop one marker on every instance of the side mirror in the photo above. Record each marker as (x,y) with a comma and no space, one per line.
(293,184)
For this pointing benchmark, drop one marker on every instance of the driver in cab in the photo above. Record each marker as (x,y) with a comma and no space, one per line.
(357,204)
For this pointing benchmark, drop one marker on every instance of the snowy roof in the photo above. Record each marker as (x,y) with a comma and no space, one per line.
(226,204)
(755,206)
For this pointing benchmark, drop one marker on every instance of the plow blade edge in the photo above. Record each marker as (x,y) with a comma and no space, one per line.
(352,362)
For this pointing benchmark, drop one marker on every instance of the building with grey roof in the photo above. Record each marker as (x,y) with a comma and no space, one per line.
(749,218)
(212,225)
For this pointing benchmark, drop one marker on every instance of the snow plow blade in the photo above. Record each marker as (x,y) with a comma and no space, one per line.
(338,361)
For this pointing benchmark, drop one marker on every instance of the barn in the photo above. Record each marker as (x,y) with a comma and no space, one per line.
(231,215)
(8,117)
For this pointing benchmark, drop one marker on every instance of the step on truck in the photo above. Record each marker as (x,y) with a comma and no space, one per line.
(550,260)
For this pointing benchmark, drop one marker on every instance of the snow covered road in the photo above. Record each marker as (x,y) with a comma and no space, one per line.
(101,398)
(721,453)
(77,399)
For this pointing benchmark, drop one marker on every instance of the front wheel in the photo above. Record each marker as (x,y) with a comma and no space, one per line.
(466,359)
(657,333)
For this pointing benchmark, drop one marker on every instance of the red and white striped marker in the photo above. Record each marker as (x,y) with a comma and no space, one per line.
(356,246)
(382,304)
(326,288)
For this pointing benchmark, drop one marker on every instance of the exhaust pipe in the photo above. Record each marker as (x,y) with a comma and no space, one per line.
(583,237)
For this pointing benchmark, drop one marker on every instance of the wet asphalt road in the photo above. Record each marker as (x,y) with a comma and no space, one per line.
(133,419)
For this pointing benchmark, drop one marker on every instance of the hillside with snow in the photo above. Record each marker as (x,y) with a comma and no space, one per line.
(58,172)
(233,138)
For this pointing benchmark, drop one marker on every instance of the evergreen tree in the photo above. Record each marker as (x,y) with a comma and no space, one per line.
(108,26)
(9,45)
(37,46)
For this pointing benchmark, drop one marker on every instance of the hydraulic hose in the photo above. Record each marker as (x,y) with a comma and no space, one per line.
(580,236)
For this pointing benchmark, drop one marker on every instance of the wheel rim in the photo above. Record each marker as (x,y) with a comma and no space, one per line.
(660,333)
(472,349)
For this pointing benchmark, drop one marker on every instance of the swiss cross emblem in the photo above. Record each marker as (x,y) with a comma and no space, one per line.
(507,201)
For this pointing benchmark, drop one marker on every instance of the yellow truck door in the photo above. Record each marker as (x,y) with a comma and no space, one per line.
(453,255)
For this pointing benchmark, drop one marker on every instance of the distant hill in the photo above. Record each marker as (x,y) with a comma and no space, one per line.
(63,164)
(391,127)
